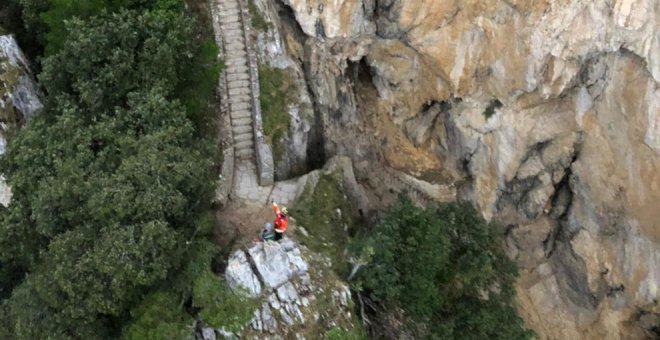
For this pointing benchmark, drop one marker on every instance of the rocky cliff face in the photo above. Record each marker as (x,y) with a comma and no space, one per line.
(19,97)
(544,114)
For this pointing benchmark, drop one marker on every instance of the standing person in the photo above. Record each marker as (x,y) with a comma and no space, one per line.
(280,221)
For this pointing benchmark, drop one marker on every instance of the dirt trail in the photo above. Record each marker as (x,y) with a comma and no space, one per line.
(239,223)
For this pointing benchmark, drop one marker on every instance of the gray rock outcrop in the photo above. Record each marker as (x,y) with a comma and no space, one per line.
(20,97)
(298,292)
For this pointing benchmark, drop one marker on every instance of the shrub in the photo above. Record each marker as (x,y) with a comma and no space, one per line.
(159,316)
(220,306)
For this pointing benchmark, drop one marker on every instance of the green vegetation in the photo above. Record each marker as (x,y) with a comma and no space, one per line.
(221,307)
(316,211)
(258,21)
(277,90)
(159,316)
(106,233)
(443,267)
(337,333)
(492,106)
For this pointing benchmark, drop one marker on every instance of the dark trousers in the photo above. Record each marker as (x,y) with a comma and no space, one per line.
(278,236)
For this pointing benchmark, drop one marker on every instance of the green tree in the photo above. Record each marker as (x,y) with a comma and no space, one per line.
(158,317)
(111,182)
(444,268)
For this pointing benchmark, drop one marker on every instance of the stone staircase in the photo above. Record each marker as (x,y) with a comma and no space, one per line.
(238,83)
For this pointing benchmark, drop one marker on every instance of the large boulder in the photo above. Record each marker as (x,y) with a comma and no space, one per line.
(299,293)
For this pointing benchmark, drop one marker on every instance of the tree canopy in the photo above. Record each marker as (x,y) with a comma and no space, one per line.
(112,180)
(444,269)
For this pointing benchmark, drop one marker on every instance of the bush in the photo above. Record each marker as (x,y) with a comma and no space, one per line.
(220,306)
(443,267)
(159,316)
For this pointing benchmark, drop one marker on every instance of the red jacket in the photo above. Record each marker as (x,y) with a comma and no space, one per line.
(280,219)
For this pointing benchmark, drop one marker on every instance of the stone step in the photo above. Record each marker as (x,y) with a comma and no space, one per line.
(238,114)
(235,46)
(235,62)
(241,121)
(231,54)
(245,154)
(239,90)
(241,129)
(225,5)
(243,137)
(238,107)
(231,26)
(238,76)
(235,59)
(238,69)
(234,84)
(245,144)
(239,99)
(235,50)
(229,16)
(233,35)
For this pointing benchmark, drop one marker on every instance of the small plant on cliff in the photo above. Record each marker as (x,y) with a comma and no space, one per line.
(258,21)
(492,106)
(444,269)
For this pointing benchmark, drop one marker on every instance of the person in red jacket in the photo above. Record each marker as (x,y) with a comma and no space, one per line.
(280,221)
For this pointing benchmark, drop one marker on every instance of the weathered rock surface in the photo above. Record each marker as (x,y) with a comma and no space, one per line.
(544,114)
(300,295)
(20,98)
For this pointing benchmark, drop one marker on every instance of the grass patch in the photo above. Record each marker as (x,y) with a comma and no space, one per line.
(219,305)
(258,21)
(277,90)
(492,106)
(316,211)
(337,333)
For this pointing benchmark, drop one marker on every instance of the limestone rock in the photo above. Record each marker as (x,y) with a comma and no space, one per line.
(332,19)
(208,333)
(295,285)
(20,97)
(239,274)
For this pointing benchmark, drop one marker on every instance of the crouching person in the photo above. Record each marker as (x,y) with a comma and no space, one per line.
(267,233)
